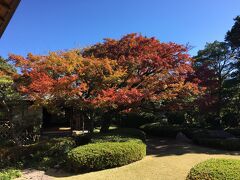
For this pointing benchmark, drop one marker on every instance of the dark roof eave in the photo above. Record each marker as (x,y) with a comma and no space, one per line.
(10,11)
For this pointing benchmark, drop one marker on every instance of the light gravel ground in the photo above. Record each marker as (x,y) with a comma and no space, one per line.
(32,174)
(166,160)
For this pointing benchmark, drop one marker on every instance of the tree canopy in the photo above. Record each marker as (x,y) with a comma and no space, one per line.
(117,75)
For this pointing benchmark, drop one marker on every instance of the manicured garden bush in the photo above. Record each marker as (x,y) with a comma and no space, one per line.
(103,155)
(162,130)
(216,169)
(8,174)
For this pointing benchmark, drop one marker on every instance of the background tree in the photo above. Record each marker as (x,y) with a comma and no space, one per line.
(215,67)
(7,92)
(233,35)
(233,38)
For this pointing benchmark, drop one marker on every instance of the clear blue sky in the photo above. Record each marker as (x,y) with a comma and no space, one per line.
(40,26)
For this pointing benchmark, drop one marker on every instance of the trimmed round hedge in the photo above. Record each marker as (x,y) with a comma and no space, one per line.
(103,155)
(216,169)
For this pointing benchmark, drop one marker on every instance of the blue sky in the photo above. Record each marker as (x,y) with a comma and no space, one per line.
(40,26)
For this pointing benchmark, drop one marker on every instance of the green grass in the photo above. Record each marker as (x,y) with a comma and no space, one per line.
(9,174)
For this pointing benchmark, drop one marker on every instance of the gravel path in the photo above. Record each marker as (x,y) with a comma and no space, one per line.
(32,174)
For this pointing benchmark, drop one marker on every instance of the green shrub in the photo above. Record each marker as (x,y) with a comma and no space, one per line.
(119,135)
(216,169)
(103,155)
(129,132)
(191,132)
(216,139)
(230,119)
(83,139)
(232,144)
(176,117)
(207,133)
(54,150)
(162,130)
(135,120)
(8,174)
(109,138)
(234,131)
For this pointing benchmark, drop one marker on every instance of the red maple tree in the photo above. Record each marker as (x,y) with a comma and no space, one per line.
(112,76)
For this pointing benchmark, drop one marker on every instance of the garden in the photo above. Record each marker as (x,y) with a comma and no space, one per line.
(133,102)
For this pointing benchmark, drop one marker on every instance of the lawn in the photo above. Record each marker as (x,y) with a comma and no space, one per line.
(166,159)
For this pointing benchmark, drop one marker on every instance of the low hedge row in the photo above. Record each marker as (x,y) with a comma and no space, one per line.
(234,131)
(216,139)
(216,169)
(232,144)
(119,135)
(103,155)
(114,135)
(162,130)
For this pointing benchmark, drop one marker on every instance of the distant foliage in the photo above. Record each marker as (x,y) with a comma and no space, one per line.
(7,91)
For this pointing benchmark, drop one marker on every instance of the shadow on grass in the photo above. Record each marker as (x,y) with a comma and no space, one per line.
(59,173)
(166,147)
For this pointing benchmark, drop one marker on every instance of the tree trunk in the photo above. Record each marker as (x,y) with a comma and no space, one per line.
(91,126)
(69,116)
(106,122)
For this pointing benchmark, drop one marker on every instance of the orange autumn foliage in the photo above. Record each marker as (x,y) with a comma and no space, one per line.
(116,74)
